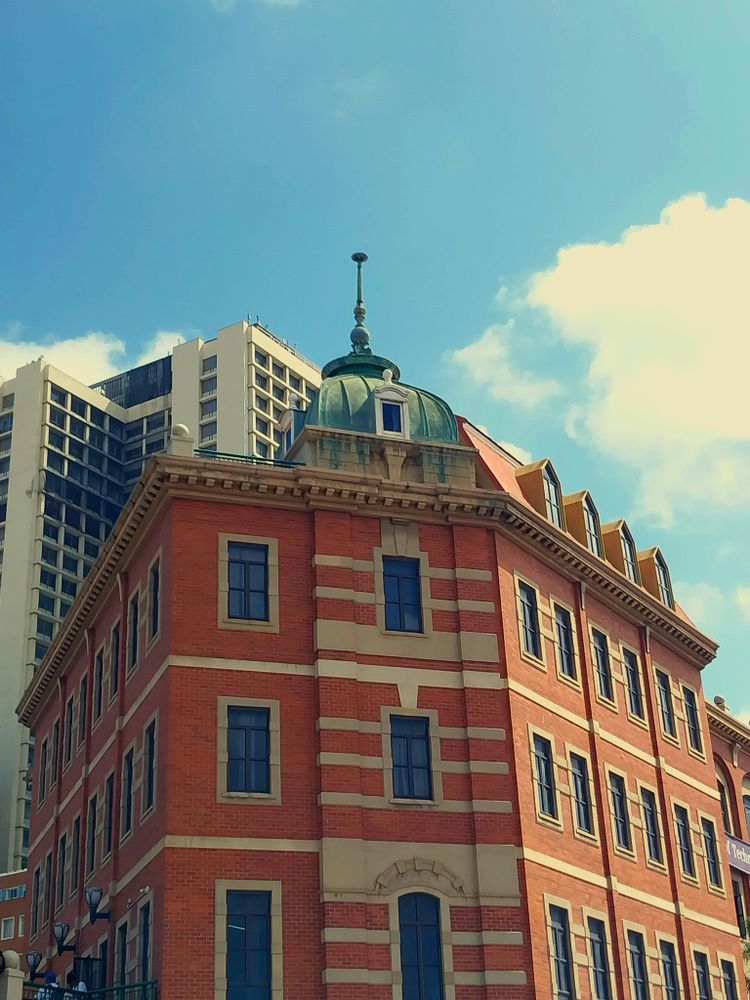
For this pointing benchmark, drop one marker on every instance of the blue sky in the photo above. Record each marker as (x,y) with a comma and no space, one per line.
(168,166)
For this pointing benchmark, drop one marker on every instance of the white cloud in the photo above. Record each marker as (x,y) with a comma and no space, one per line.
(487,362)
(523,456)
(702,601)
(90,357)
(742,599)
(664,313)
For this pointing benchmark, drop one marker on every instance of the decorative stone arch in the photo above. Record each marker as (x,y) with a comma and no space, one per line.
(416,874)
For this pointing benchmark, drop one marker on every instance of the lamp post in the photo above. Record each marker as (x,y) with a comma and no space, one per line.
(60,932)
(33,960)
(93,897)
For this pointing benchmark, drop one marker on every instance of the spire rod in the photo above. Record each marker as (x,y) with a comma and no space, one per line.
(360,335)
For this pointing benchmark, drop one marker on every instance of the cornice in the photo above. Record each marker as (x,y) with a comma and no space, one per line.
(305,486)
(724,724)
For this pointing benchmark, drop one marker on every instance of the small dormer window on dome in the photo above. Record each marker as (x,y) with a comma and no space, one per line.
(391,408)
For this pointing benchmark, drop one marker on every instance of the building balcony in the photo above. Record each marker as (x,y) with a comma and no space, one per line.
(148,990)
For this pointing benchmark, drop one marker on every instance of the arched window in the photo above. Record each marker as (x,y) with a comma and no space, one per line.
(746,804)
(421,955)
(629,555)
(593,533)
(665,586)
(727,814)
(552,496)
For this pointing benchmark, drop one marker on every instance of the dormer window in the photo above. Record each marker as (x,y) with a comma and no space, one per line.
(392,420)
(629,555)
(591,523)
(552,496)
(664,583)
(391,408)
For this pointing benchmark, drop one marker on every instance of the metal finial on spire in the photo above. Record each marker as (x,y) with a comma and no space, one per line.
(360,335)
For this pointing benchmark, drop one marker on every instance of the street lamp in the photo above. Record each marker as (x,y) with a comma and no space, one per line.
(93,898)
(33,960)
(60,932)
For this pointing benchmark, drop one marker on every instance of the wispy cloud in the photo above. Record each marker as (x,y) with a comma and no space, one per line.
(702,601)
(488,362)
(90,357)
(742,600)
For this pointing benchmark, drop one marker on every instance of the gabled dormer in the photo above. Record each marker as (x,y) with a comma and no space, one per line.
(620,549)
(583,522)
(541,487)
(655,575)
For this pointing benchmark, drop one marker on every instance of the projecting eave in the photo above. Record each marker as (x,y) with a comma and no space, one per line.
(304,486)
(721,722)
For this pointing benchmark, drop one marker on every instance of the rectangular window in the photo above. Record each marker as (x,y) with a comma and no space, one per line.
(403,594)
(149,775)
(121,968)
(545,776)
(208,365)
(633,682)
(392,423)
(602,665)
(582,793)
(619,795)
(651,825)
(43,771)
(669,970)
(83,695)
(7,928)
(692,719)
(68,746)
(47,900)
(208,409)
(208,385)
(712,852)
(599,959)
(729,980)
(75,854)
(248,744)
(412,763)
(114,661)
(144,942)
(248,581)
(154,594)
(98,684)
(91,834)
(564,629)
(248,971)
(109,805)
(739,905)
(664,688)
(35,902)
(133,629)
(638,969)
(55,752)
(702,975)
(684,840)
(532,636)
(127,792)
(562,954)
(62,858)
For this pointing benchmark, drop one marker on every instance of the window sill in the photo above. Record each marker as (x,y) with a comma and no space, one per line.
(414,803)
(404,633)
(624,852)
(151,642)
(637,720)
(549,821)
(571,682)
(248,624)
(609,703)
(674,740)
(690,879)
(587,838)
(656,866)
(698,754)
(535,661)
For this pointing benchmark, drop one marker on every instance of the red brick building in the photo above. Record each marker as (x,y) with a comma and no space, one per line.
(399,721)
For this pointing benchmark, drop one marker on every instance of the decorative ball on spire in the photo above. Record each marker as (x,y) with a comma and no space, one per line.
(360,335)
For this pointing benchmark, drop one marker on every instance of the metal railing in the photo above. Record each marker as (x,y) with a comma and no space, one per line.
(229,456)
(147,990)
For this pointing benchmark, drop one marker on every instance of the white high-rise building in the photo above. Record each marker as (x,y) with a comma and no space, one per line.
(69,455)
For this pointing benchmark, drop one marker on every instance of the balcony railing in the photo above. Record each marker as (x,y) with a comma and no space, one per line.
(147,990)
(228,456)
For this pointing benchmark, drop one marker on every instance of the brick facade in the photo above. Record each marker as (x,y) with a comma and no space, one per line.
(331,842)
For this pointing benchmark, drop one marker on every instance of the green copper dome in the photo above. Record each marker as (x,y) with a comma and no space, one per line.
(345,401)
(346,398)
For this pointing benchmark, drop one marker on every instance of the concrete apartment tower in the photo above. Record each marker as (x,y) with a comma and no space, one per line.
(69,456)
